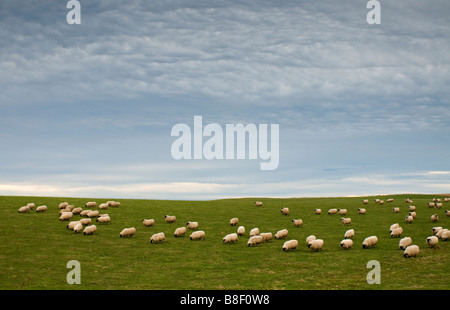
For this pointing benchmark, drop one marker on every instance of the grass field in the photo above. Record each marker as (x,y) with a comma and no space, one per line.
(35,247)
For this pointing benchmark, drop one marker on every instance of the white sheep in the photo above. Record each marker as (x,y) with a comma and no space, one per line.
(408,200)
(90,204)
(77,210)
(431,204)
(241,230)
(94,213)
(434,218)
(440,232)
(445,235)
(365,201)
(397,232)
(332,211)
(346,243)
(409,219)
(41,209)
(70,207)
(85,212)
(170,218)
(432,241)
(346,220)
(63,205)
(404,243)
(411,208)
(72,224)
(438,205)
(390,200)
(234,221)
(114,204)
(31,205)
(349,234)
(297,222)
(128,232)
(192,225)
(393,226)
(254,240)
(376,200)
(254,232)
(315,245)
(85,221)
(148,222)
(258,203)
(413,214)
(381,202)
(281,234)
(266,236)
(180,231)
(24,209)
(103,219)
(317,211)
(285,211)
(89,230)
(290,245)
(396,209)
(447,212)
(65,216)
(310,238)
(158,238)
(362,211)
(370,242)
(103,206)
(411,251)
(78,227)
(197,235)
(342,211)
(436,229)
(230,238)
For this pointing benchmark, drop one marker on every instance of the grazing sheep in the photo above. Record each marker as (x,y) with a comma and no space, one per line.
(315,245)
(158,238)
(285,211)
(390,200)
(432,241)
(90,204)
(230,238)
(180,231)
(94,213)
(349,234)
(376,200)
(234,221)
(85,212)
(281,234)
(413,214)
(89,230)
(65,216)
(297,223)
(317,211)
(254,240)
(148,222)
(78,227)
(103,206)
(346,243)
(396,210)
(346,220)
(310,238)
(63,205)
(411,251)
(434,218)
(64,210)
(370,242)
(85,221)
(409,219)
(72,224)
(41,209)
(170,218)
(436,229)
(114,204)
(128,232)
(266,236)
(408,200)
(241,230)
(361,211)
(431,204)
(397,232)
(381,202)
(24,209)
(342,211)
(411,208)
(438,205)
(197,235)
(258,203)
(77,210)
(445,234)
(446,199)
(254,232)
(104,219)
(31,205)
(447,212)
(440,232)
(404,243)
(365,201)
(290,245)
(332,211)
(393,226)
(70,207)
(192,225)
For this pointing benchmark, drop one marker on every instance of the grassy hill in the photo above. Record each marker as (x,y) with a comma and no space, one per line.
(35,247)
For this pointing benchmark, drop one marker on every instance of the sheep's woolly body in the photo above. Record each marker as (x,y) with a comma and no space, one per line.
(434,218)
(148,222)
(404,243)
(332,211)
(254,240)
(432,241)
(362,211)
(346,220)
(310,238)
(128,232)
(85,221)
(315,245)
(317,211)
(285,211)
(104,219)
(393,226)
(65,216)
(180,231)
(281,234)
(78,227)
(297,222)
(230,238)
(290,245)
(158,238)
(94,213)
(241,230)
(342,211)
(346,243)
(170,218)
(192,225)
(254,232)
(370,242)
(409,219)
(197,235)
(397,232)
(411,251)
(234,221)
(42,209)
(349,234)
(24,209)
(89,230)
(266,236)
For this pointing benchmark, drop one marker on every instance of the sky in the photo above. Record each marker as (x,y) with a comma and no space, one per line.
(87,110)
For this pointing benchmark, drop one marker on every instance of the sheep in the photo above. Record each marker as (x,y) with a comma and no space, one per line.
(436,199)
(241,230)
(445,235)
(370,242)
(431,204)
(332,211)
(72,224)
(436,229)
(266,236)
(376,200)
(128,232)
(361,211)
(41,209)
(197,235)
(393,226)
(64,210)
(290,245)
(93,213)
(192,225)
(285,211)
(390,200)
(315,245)
(281,234)
(396,209)
(317,211)
(31,205)
(413,214)
(342,211)
(89,230)
(438,205)
(411,251)
(65,216)
(103,206)
(70,207)
(78,227)
(170,218)
(404,243)
(310,238)
(180,232)
(346,220)
(446,199)
(411,208)
(447,212)
(158,238)
(230,238)
(254,240)
(24,209)
(409,219)
(63,205)
(432,241)
(85,212)
(440,232)
(85,221)
(77,210)
(234,221)
(381,202)
(408,200)
(104,219)
(349,234)
(148,222)
(258,203)
(396,232)
(115,204)
(90,204)
(254,232)
(434,218)
(297,223)
(365,201)
(346,243)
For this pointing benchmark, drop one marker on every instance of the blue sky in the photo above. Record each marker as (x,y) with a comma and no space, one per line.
(87,110)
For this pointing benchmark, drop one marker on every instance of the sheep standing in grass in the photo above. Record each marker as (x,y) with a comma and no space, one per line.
(254,240)
(431,204)
(409,219)
(346,243)
(317,211)
(346,220)
(297,223)
(77,210)
(411,208)
(128,232)
(290,245)
(285,211)
(310,238)
(281,234)
(342,211)
(72,224)
(89,230)
(170,218)
(148,222)
(90,204)
(41,209)
(411,251)
(24,209)
(447,212)
(361,211)
(315,245)
(434,218)
(94,213)
(370,242)
(230,238)
(158,238)
(266,236)
(197,235)
(365,201)
(397,232)
(393,226)
(404,243)
(103,206)
(413,214)
(349,234)
(436,229)
(103,219)
(258,203)
(254,232)
(432,241)
(85,221)
(114,204)
(180,231)
(65,216)
(192,225)
(438,205)
(63,205)
(441,232)
(78,227)
(241,230)
(31,205)
(332,211)
(396,210)
(85,212)
(390,200)
(234,221)
(445,234)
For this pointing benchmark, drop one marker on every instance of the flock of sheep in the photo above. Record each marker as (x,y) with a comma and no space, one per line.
(84,224)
